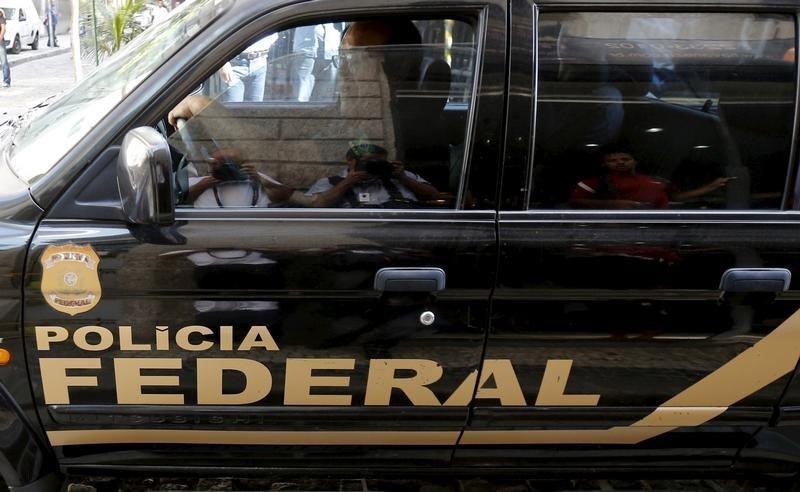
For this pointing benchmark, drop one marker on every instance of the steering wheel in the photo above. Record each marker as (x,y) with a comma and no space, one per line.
(192,151)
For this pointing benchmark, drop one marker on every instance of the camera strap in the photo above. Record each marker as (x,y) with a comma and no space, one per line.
(255,192)
(349,195)
(391,188)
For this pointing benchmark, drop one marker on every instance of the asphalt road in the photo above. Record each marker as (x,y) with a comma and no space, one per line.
(440,485)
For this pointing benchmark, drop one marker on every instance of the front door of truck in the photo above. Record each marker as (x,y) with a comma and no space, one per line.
(261,323)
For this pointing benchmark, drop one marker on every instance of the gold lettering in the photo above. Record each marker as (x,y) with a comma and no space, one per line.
(106,338)
(300,380)
(226,338)
(258,336)
(162,338)
(463,394)
(182,338)
(47,334)
(56,383)
(129,381)
(554,383)
(381,380)
(258,381)
(126,340)
(507,388)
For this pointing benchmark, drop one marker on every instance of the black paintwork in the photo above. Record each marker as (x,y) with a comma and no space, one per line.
(563,286)
(24,456)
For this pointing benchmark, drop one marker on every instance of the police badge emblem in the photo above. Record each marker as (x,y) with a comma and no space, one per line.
(70,283)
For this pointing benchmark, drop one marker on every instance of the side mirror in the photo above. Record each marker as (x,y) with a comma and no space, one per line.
(144,177)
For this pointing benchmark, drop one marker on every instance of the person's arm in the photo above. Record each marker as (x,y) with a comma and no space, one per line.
(422,189)
(333,196)
(197,188)
(600,203)
(702,190)
(277,192)
(192,106)
(2,30)
(585,196)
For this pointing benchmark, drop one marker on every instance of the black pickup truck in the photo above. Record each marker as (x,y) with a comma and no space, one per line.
(386,237)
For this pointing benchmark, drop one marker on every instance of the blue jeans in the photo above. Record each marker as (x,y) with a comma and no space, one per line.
(4,61)
(249,83)
(302,78)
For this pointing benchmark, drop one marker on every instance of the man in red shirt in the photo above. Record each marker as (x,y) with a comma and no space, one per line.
(620,187)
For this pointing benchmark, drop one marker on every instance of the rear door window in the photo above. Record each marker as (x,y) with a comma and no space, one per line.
(663,110)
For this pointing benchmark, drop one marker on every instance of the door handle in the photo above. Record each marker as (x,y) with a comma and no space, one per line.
(755,280)
(409,279)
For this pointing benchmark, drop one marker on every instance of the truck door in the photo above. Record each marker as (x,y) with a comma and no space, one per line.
(645,310)
(260,329)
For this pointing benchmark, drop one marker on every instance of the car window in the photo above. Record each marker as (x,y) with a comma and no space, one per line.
(74,114)
(663,110)
(328,116)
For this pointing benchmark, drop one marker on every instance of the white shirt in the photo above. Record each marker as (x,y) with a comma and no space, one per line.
(232,194)
(370,192)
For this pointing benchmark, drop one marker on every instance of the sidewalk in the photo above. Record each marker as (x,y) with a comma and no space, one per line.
(27,54)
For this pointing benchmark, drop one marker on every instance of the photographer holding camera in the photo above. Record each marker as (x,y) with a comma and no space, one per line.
(233,183)
(371,181)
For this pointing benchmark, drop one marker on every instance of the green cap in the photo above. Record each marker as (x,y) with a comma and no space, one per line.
(360,149)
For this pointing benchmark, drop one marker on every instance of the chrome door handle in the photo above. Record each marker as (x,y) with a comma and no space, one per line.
(755,280)
(409,279)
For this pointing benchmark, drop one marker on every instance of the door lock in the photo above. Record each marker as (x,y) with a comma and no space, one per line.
(427,318)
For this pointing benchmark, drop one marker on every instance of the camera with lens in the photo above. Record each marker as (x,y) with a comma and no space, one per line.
(375,166)
(229,171)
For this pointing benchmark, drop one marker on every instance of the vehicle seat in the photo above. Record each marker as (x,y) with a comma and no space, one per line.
(424,137)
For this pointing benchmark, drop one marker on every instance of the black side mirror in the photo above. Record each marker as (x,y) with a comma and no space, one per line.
(144,176)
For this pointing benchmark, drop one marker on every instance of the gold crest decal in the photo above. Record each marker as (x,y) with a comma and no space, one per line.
(70,283)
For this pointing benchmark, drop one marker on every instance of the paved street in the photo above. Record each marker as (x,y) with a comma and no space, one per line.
(433,485)
(35,80)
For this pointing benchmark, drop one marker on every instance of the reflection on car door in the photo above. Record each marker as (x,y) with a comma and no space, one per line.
(641,337)
(238,337)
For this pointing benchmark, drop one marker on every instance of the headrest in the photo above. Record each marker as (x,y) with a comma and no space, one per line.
(434,82)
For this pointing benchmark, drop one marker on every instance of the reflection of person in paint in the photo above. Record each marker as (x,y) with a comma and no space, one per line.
(356,187)
(619,186)
(248,188)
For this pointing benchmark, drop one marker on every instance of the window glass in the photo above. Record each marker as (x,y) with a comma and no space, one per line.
(656,111)
(41,141)
(370,113)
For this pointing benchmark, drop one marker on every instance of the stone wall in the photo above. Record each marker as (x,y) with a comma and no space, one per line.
(298,143)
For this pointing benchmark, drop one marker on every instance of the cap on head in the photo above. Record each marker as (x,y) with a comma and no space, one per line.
(359,149)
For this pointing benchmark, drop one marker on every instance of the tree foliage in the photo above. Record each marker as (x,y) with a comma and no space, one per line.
(106,27)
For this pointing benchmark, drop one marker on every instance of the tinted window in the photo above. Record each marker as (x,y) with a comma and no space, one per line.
(653,110)
(306,108)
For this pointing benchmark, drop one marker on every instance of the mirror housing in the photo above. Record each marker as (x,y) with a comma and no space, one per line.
(145,179)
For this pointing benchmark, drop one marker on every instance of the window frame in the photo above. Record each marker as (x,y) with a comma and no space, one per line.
(477,16)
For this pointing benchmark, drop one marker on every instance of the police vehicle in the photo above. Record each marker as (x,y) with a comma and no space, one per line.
(601,279)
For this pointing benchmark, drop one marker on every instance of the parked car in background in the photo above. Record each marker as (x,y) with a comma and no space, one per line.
(23,24)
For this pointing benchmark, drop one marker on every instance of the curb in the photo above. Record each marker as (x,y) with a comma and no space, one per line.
(36,56)
(43,52)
